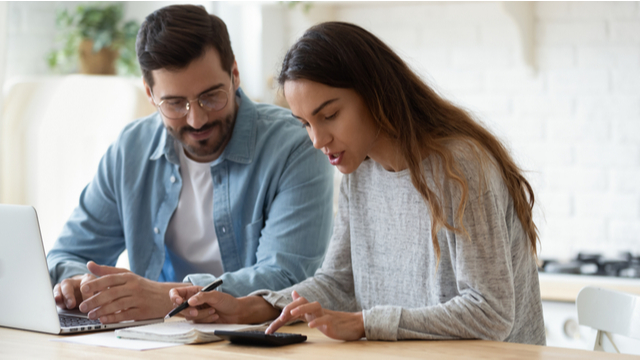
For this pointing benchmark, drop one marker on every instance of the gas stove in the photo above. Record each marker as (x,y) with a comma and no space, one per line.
(625,265)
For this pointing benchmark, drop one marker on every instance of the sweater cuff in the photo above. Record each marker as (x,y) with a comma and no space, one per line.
(277,300)
(381,322)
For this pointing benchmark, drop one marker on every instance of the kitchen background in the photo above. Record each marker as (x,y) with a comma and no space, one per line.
(559,82)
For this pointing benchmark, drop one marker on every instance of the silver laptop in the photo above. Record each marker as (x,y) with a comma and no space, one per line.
(26,300)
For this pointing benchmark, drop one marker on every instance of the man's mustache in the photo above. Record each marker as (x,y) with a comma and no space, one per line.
(203,128)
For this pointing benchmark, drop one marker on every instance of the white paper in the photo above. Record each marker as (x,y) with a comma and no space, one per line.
(109,339)
(183,327)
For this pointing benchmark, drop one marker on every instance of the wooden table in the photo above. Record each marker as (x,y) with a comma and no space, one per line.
(18,344)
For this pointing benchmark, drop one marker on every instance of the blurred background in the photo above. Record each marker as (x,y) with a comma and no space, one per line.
(558,82)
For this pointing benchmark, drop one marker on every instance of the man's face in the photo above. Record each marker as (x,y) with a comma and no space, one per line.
(203,133)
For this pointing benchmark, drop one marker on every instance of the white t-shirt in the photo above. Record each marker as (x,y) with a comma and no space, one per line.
(191,234)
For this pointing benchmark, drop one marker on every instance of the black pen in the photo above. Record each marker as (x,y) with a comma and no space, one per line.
(185,304)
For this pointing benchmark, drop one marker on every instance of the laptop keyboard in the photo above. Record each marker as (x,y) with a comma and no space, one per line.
(73,321)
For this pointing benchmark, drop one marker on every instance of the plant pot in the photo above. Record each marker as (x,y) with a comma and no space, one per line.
(102,62)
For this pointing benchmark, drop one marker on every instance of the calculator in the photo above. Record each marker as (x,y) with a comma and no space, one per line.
(260,338)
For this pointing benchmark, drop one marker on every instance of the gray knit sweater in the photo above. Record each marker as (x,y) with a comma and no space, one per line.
(381,261)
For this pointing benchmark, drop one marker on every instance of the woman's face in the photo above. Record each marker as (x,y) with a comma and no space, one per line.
(337,121)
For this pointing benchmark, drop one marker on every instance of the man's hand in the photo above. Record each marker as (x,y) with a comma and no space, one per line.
(119,295)
(67,293)
(215,306)
(335,324)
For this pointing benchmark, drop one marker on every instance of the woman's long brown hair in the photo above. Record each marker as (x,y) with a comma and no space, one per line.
(344,55)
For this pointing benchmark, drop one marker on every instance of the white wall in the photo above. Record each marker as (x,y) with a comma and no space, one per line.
(573,120)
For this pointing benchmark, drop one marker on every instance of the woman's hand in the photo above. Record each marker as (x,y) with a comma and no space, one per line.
(216,306)
(206,307)
(334,324)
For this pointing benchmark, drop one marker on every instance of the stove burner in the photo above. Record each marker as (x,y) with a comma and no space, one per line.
(626,265)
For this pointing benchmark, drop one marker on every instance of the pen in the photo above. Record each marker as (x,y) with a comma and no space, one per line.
(185,304)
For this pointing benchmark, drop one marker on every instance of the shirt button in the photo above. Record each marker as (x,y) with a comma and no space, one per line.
(172,179)
(156,230)
(224,230)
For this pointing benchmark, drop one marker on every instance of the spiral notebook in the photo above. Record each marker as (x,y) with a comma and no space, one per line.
(183,332)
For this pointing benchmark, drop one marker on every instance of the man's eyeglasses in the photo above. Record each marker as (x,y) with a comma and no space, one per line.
(177,108)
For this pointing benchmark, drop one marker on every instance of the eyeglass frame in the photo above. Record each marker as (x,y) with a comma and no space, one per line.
(188,104)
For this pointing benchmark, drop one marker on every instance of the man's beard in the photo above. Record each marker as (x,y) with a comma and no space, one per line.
(208,146)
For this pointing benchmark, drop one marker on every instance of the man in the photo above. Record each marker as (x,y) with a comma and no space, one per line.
(212,185)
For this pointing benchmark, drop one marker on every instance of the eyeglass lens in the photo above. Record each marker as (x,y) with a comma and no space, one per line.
(212,101)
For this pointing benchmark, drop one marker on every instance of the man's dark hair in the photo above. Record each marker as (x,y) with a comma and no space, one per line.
(174,36)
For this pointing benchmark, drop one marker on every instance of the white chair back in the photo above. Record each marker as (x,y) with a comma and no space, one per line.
(611,313)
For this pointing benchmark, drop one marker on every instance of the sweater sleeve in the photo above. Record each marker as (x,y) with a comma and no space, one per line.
(332,285)
(484,306)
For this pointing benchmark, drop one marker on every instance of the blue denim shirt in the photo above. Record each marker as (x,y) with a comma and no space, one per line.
(272,207)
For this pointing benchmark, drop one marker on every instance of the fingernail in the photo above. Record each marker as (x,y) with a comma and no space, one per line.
(84,289)
(193,312)
(83,307)
(69,303)
(92,315)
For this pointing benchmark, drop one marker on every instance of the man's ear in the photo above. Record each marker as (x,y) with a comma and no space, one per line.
(147,90)
(235,75)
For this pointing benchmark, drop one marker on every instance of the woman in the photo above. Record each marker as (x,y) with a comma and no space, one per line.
(434,237)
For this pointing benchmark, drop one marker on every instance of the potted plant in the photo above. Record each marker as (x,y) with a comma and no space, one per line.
(95,39)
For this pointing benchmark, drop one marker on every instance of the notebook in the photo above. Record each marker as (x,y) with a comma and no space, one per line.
(184,332)
(27,302)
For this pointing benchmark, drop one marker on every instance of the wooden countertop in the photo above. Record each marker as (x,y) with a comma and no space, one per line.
(563,287)
(18,344)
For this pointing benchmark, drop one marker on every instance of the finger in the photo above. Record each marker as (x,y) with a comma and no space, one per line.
(286,311)
(124,315)
(57,295)
(310,308)
(85,278)
(178,295)
(111,308)
(102,270)
(212,298)
(322,322)
(198,314)
(285,315)
(103,297)
(176,298)
(295,295)
(97,285)
(68,291)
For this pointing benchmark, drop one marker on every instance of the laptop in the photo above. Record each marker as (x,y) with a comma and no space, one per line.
(27,301)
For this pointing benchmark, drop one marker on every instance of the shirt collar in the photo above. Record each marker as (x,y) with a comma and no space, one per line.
(240,148)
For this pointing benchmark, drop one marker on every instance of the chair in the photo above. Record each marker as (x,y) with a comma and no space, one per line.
(614,314)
